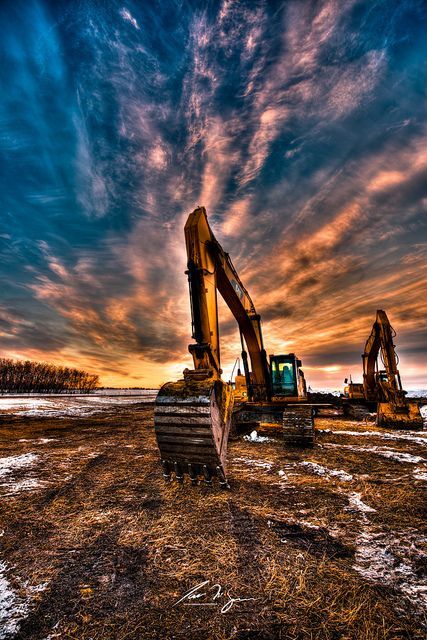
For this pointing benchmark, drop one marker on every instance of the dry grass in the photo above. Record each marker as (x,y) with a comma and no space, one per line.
(117,547)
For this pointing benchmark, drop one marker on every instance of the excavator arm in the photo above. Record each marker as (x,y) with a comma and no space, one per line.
(385,384)
(210,270)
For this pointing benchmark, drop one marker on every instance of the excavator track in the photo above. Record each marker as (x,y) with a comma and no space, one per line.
(192,423)
(298,425)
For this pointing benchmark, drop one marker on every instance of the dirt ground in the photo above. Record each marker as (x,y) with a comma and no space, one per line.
(324,543)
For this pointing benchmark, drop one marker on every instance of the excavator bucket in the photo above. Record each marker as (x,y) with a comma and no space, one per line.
(192,423)
(407,417)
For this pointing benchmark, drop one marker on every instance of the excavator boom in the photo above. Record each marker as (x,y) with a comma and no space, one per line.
(210,270)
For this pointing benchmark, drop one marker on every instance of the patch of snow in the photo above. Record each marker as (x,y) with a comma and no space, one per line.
(12,463)
(126,15)
(391,454)
(68,412)
(69,406)
(285,482)
(334,392)
(38,588)
(39,440)
(255,463)
(22,403)
(391,559)
(417,393)
(319,470)
(308,524)
(12,608)
(420,474)
(254,437)
(411,436)
(373,557)
(27,484)
(400,456)
(15,463)
(355,504)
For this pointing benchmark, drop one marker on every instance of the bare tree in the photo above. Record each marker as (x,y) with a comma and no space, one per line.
(24,376)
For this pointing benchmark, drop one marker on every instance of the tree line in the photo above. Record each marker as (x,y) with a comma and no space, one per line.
(24,376)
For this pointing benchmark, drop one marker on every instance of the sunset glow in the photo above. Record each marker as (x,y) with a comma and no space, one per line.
(300,126)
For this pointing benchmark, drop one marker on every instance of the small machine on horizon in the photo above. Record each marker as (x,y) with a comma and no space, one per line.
(192,416)
(381,390)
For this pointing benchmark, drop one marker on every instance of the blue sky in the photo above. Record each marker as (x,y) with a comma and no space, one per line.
(300,126)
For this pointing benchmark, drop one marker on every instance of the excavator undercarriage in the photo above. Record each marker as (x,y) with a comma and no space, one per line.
(293,421)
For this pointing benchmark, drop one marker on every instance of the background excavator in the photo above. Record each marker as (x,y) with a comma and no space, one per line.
(381,390)
(192,416)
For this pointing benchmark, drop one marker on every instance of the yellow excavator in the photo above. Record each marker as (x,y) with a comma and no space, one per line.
(381,389)
(192,416)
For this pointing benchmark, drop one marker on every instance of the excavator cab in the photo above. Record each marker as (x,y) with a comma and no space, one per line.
(283,375)
(287,379)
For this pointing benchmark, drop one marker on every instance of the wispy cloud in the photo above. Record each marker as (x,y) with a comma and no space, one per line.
(126,15)
(300,126)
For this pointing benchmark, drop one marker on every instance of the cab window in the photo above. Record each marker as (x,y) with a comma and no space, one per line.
(283,378)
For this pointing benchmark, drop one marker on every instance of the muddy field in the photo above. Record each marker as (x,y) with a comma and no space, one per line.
(327,543)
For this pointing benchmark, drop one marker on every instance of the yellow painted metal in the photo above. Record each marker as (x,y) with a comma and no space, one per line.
(384,386)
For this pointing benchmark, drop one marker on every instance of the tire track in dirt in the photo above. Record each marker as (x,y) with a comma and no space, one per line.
(246,533)
(78,485)
(92,582)
(315,540)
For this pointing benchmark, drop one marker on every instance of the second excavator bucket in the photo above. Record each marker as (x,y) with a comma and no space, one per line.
(407,417)
(192,423)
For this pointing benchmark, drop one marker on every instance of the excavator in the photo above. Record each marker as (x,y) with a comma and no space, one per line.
(193,416)
(381,389)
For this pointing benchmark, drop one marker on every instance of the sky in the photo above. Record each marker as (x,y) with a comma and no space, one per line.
(301,126)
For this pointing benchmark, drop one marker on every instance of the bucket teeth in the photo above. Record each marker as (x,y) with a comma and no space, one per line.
(178,473)
(192,474)
(195,471)
(223,482)
(208,475)
(166,471)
